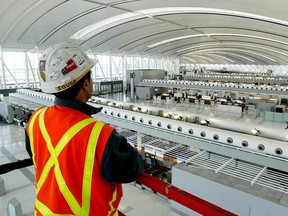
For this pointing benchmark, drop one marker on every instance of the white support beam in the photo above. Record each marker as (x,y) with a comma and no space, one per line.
(11,74)
(27,68)
(101,69)
(110,66)
(258,175)
(223,165)
(32,71)
(3,85)
(195,156)
(14,208)
(117,75)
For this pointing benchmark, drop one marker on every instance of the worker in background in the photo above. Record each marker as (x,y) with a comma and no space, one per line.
(79,162)
(243,107)
(286,125)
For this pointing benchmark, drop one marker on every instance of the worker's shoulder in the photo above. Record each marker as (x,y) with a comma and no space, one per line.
(115,137)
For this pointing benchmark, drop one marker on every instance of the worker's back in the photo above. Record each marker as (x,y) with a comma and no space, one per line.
(60,165)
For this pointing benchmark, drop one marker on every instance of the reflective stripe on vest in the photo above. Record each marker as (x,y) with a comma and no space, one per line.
(112,209)
(53,161)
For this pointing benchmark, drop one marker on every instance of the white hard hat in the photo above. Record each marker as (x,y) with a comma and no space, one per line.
(61,66)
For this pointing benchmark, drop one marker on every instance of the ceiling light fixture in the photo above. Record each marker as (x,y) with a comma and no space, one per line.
(189,59)
(178,10)
(205,58)
(205,122)
(221,57)
(259,47)
(233,54)
(213,34)
(196,47)
(93,29)
(233,49)
(255,131)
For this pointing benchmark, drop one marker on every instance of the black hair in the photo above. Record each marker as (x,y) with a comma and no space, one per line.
(71,92)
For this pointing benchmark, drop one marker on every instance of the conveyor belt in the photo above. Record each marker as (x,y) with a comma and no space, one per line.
(248,171)
(181,153)
(253,173)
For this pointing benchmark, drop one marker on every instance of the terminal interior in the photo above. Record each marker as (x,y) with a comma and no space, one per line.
(199,88)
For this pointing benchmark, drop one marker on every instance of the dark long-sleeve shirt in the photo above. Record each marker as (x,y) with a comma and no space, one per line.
(121,163)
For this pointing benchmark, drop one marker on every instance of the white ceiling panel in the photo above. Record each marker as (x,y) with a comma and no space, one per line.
(120,35)
(165,27)
(5,4)
(135,39)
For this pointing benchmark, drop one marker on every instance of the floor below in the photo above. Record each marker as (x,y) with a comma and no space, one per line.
(20,184)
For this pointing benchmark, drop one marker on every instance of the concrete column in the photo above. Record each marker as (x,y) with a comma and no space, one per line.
(27,69)
(132,76)
(14,208)
(2,187)
(2,85)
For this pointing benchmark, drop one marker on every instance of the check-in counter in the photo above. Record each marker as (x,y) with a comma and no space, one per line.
(164,96)
(275,116)
(207,99)
(225,108)
(191,98)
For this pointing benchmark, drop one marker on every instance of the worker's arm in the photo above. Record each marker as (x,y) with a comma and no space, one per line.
(121,163)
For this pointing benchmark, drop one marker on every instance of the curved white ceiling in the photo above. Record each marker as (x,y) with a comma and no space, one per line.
(203,32)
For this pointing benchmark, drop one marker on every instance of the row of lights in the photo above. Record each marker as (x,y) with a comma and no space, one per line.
(230,85)
(172,116)
(238,77)
(140,109)
(244,143)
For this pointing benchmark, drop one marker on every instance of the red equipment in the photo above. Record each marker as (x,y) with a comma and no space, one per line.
(190,201)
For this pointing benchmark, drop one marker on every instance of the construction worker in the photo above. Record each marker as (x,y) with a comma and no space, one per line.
(79,162)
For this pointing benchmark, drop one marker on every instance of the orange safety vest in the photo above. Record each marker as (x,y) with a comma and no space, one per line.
(67,147)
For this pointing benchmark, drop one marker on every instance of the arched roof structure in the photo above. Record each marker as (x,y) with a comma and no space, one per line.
(199,32)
